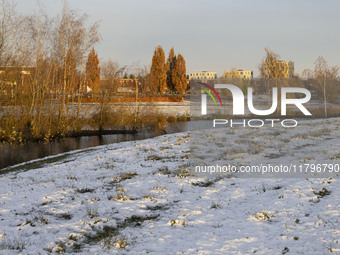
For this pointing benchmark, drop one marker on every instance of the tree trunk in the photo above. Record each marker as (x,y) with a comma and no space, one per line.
(325,98)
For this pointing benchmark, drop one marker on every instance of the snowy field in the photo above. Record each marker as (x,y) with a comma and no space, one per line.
(140,198)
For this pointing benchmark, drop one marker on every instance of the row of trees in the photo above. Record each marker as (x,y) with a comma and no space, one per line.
(47,64)
(272,67)
(322,80)
(164,75)
(322,76)
(168,75)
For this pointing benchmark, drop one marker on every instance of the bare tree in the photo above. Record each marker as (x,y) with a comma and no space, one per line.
(111,73)
(307,74)
(13,36)
(12,33)
(323,73)
(71,32)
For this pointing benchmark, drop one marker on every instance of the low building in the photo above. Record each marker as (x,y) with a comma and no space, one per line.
(127,85)
(204,75)
(240,73)
(15,79)
(114,86)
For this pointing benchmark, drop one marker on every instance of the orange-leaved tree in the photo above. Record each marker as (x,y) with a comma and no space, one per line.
(179,77)
(170,64)
(158,71)
(93,72)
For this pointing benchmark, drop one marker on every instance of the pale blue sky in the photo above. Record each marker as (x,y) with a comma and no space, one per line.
(213,35)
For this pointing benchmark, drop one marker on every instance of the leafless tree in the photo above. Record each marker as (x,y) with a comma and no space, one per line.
(307,74)
(71,33)
(323,74)
(13,27)
(111,73)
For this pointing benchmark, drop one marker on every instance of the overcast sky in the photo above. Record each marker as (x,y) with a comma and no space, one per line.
(213,35)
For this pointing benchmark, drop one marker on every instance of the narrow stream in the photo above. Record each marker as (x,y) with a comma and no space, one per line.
(11,154)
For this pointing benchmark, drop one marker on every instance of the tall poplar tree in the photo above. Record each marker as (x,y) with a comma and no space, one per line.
(179,77)
(170,64)
(93,72)
(158,71)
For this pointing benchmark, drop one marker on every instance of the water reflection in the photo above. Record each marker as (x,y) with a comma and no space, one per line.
(15,154)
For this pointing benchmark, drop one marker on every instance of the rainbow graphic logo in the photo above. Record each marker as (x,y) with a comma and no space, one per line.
(206,90)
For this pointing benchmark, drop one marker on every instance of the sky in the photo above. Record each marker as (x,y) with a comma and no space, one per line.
(212,35)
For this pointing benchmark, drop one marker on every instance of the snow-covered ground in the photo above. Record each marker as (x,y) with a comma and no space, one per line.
(173,109)
(140,198)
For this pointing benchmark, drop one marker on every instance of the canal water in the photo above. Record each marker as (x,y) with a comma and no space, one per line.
(12,154)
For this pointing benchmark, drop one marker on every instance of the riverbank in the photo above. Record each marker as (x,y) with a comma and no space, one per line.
(12,154)
(21,124)
(139,197)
